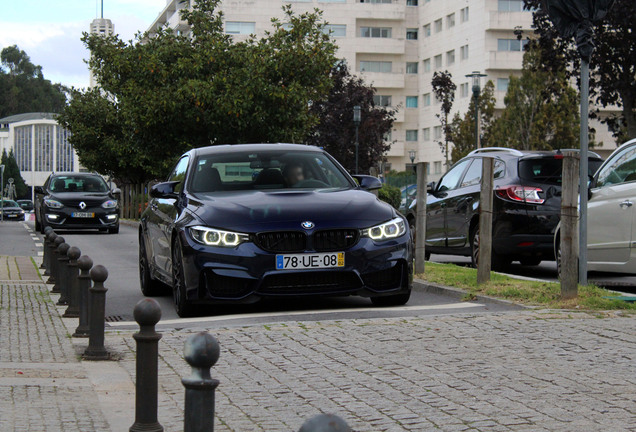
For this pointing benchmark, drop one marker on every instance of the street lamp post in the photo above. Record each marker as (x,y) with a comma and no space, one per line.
(476,77)
(357,116)
(412,154)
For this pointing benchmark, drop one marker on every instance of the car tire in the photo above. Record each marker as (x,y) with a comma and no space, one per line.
(393,300)
(42,226)
(113,230)
(37,224)
(181,305)
(149,287)
(497,262)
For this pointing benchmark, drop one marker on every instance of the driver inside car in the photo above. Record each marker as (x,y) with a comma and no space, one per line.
(293,173)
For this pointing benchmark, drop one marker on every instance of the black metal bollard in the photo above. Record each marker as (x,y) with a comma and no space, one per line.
(201,351)
(97,306)
(62,273)
(53,260)
(45,251)
(325,423)
(84,283)
(147,313)
(72,311)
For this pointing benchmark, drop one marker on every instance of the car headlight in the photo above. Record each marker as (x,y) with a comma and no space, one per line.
(388,230)
(51,203)
(216,237)
(109,204)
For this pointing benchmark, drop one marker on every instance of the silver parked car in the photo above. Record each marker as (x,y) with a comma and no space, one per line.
(611,228)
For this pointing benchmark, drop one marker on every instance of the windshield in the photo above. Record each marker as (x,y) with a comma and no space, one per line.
(9,203)
(548,170)
(273,169)
(72,183)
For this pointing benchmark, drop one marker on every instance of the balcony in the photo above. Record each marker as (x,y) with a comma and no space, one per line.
(389,46)
(397,149)
(510,20)
(381,11)
(383,80)
(504,60)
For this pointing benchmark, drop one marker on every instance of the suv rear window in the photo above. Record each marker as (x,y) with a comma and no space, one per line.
(548,170)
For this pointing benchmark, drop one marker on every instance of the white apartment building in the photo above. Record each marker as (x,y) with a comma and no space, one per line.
(104,27)
(397,45)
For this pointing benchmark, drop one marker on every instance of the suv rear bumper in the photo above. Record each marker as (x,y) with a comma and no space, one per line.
(525,245)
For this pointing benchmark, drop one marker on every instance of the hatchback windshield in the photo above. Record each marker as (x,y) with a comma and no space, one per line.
(78,184)
(266,170)
(9,203)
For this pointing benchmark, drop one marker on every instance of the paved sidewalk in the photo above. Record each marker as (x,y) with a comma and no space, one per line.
(516,371)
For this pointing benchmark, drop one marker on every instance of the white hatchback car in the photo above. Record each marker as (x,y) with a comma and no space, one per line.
(611,226)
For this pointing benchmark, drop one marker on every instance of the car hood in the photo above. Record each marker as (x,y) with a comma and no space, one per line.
(286,210)
(74,198)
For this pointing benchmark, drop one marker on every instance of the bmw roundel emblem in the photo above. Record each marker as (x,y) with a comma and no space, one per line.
(307,225)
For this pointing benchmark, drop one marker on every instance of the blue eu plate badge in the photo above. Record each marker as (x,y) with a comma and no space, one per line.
(280,262)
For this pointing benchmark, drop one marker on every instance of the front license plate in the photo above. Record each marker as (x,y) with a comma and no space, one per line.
(82,215)
(310,261)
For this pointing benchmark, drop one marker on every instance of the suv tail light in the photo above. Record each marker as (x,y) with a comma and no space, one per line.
(525,194)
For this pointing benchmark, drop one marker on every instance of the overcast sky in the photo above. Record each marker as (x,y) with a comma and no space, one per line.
(50,30)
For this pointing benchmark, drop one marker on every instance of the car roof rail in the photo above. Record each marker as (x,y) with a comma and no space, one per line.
(496,149)
(589,152)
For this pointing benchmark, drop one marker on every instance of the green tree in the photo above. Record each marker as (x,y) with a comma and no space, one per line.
(541,110)
(335,131)
(612,65)
(444,89)
(23,87)
(172,93)
(11,170)
(462,129)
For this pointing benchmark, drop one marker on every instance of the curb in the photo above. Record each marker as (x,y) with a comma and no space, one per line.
(421,285)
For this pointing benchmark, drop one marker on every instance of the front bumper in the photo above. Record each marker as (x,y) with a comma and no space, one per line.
(14,216)
(64,218)
(247,273)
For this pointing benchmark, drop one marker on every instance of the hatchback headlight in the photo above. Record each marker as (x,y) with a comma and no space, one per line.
(388,230)
(51,203)
(216,237)
(109,204)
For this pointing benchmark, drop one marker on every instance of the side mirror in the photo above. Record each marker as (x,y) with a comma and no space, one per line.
(164,190)
(368,182)
(430,187)
(38,190)
(116,191)
(590,184)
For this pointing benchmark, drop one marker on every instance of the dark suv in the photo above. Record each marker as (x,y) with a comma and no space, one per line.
(76,201)
(527,206)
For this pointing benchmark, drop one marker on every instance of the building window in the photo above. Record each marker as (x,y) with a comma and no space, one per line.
(411,101)
(450,20)
(502,84)
(411,135)
(23,145)
(463,90)
(438,167)
(426,134)
(426,99)
(427,30)
(463,14)
(510,5)
(375,66)
(438,25)
(426,65)
(335,30)
(375,32)
(43,136)
(369,1)
(450,57)
(463,52)
(411,2)
(511,44)
(411,67)
(382,100)
(411,33)
(438,61)
(437,132)
(388,136)
(240,27)
(65,154)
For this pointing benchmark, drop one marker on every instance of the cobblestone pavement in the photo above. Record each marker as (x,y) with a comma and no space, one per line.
(528,371)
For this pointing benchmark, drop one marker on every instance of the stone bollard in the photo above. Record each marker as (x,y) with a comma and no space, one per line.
(84,282)
(147,313)
(97,307)
(72,311)
(201,351)
(45,251)
(325,423)
(53,260)
(62,273)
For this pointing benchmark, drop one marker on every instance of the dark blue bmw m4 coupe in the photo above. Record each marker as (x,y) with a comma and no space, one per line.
(237,223)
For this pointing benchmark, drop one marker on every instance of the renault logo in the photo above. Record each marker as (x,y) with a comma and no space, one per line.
(82,205)
(307,225)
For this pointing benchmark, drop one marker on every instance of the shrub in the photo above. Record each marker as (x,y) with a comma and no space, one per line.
(391,195)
